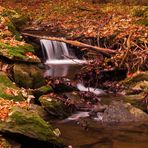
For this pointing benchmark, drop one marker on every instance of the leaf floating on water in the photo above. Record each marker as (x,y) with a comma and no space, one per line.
(57,132)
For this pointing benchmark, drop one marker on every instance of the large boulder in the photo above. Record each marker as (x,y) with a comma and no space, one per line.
(28,76)
(123,112)
(8,90)
(28,123)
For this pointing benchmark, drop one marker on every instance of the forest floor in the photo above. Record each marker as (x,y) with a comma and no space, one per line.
(114,26)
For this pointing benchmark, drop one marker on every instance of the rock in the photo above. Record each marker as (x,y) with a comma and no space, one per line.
(123,112)
(14,21)
(15,17)
(143,76)
(19,52)
(28,76)
(54,107)
(28,123)
(136,101)
(137,88)
(8,90)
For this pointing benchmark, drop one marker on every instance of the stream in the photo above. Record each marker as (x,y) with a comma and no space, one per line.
(80,130)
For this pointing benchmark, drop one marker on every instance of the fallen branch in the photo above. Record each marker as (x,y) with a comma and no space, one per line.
(104,51)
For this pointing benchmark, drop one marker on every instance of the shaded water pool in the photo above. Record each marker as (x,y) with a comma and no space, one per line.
(90,134)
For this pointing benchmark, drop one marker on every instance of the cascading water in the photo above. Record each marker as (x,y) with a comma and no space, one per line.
(59,58)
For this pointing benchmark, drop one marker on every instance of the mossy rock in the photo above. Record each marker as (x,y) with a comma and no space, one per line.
(138,87)
(11,27)
(29,123)
(8,90)
(136,78)
(137,101)
(17,18)
(18,53)
(28,76)
(42,91)
(54,107)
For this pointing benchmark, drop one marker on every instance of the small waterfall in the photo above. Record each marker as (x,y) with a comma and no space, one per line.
(59,58)
(53,51)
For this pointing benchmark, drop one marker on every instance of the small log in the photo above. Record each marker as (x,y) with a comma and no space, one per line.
(104,51)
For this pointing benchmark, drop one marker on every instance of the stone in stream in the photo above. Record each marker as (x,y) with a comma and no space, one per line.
(28,123)
(123,112)
(54,107)
(28,76)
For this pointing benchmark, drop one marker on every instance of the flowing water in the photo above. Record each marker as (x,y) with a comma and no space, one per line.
(60,59)
(79,130)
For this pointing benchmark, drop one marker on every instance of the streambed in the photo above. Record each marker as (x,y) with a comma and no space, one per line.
(81,130)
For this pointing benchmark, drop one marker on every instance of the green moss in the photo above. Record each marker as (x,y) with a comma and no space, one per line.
(14,32)
(142,22)
(16,17)
(136,100)
(6,83)
(42,91)
(17,52)
(136,78)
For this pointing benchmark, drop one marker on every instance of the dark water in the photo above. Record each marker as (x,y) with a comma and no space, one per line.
(62,70)
(108,136)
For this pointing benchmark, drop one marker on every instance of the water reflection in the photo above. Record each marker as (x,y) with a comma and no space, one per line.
(62,70)
(57,71)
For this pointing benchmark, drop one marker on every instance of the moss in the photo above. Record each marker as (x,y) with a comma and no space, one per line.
(16,17)
(142,22)
(42,91)
(136,100)
(6,83)
(17,52)
(136,78)
(29,123)
(14,32)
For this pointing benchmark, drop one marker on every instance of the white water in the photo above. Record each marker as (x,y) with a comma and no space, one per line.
(59,58)
(96,91)
(57,53)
